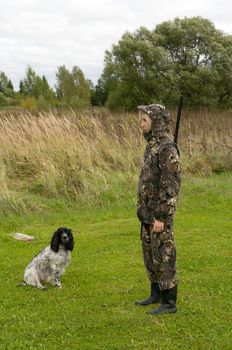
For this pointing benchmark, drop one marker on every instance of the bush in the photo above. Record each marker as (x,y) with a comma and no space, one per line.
(42,104)
(28,103)
(78,103)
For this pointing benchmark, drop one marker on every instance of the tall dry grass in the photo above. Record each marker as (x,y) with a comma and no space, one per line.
(66,155)
(206,142)
(78,155)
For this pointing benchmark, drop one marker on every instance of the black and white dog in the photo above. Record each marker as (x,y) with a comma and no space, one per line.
(51,262)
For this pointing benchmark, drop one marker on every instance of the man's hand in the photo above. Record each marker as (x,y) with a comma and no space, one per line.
(158,226)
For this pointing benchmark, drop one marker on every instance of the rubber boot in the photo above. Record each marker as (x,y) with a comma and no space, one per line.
(168,304)
(155,296)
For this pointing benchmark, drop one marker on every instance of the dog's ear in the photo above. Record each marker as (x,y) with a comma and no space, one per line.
(71,241)
(55,242)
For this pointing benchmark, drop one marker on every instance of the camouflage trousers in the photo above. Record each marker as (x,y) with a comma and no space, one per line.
(159,254)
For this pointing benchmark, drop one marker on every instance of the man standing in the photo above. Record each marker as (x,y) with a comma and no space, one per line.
(158,190)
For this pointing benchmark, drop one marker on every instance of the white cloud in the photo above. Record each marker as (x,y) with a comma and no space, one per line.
(49,33)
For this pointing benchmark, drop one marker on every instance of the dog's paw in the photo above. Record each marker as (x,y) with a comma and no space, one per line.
(42,287)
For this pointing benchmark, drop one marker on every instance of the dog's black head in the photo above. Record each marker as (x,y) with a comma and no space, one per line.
(62,237)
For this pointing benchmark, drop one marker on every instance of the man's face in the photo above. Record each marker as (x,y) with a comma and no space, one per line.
(145,122)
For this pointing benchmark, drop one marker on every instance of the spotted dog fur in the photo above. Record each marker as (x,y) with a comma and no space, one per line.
(50,264)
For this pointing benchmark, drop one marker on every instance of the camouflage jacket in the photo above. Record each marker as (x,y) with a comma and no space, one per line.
(159,181)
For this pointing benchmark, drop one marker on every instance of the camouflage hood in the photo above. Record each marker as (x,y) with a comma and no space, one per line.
(160,117)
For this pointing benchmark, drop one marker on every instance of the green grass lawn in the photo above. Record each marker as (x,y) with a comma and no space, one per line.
(95,309)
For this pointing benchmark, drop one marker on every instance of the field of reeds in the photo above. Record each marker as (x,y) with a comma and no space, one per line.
(78,156)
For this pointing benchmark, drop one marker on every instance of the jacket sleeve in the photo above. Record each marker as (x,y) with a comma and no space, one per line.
(169,164)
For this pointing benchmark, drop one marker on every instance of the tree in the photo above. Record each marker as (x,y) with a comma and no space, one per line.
(8,95)
(10,85)
(136,70)
(64,84)
(38,88)
(222,66)
(185,56)
(4,81)
(29,82)
(98,94)
(81,86)
(190,44)
(33,85)
(21,88)
(72,88)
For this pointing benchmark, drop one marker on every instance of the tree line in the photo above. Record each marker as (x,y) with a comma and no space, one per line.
(186,56)
(71,89)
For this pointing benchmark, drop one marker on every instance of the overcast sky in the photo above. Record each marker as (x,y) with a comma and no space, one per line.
(48,33)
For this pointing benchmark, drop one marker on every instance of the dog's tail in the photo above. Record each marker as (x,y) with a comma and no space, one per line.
(22,284)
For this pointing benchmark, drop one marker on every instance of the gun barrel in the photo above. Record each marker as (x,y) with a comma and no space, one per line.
(178,118)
